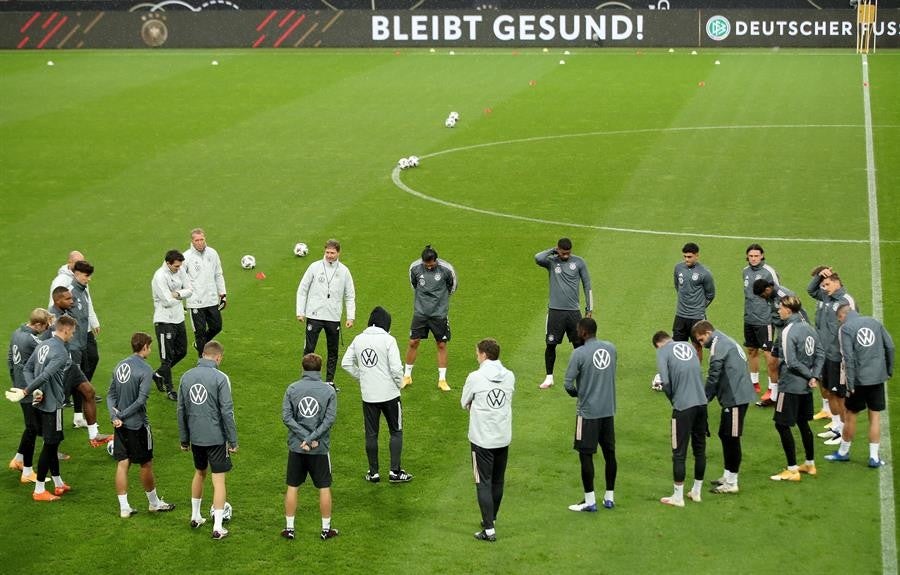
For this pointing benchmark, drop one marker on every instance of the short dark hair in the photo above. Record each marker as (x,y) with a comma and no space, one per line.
(429,254)
(690,248)
(173,256)
(58,291)
(564,244)
(792,302)
(660,336)
(756,247)
(834,276)
(66,321)
(84,267)
(333,243)
(212,348)
(702,326)
(588,325)
(312,362)
(490,348)
(817,270)
(139,340)
(760,285)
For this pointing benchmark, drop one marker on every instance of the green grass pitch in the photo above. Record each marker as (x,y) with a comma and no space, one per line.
(119,154)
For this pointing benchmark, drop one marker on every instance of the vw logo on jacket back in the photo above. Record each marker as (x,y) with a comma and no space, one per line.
(308,406)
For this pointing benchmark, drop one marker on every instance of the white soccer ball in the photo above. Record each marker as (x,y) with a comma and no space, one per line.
(656,384)
(413,161)
(110,448)
(301,249)
(454,115)
(450,123)
(226,511)
(403,163)
(248,262)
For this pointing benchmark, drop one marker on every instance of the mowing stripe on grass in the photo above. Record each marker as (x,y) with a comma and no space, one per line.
(395,176)
(886,475)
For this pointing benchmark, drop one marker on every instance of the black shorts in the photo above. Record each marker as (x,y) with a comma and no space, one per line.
(421,325)
(32,418)
(592,432)
(833,378)
(52,426)
(316,465)
(758,336)
(74,377)
(732,422)
(681,328)
(216,457)
(864,397)
(135,445)
(791,408)
(562,322)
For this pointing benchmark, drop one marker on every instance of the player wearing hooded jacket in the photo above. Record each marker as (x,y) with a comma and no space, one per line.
(373,358)
(204,270)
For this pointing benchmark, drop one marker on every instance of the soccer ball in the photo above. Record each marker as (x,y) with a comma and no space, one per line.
(403,163)
(454,116)
(248,262)
(110,448)
(656,384)
(450,123)
(413,161)
(226,511)
(301,249)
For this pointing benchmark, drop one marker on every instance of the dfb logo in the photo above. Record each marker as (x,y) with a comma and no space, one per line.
(809,346)
(42,353)
(601,359)
(198,394)
(308,406)
(865,337)
(718,28)
(683,351)
(368,357)
(496,398)
(123,373)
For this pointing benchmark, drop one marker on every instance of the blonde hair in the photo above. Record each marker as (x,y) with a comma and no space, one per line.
(39,316)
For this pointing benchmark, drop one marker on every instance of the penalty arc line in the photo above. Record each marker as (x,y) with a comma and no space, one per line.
(395,177)
(886,474)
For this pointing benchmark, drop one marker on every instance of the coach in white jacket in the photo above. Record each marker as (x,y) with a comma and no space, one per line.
(325,286)
(374,359)
(204,270)
(170,288)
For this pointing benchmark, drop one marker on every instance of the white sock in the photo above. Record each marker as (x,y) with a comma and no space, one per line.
(733,479)
(590,498)
(152,497)
(490,531)
(844,449)
(793,468)
(773,387)
(39,486)
(19,457)
(123,502)
(825,407)
(873,451)
(773,395)
(195,509)
(549,377)
(407,370)
(608,496)
(698,486)
(810,462)
(26,471)
(326,523)
(289,521)
(92,430)
(835,420)
(217,519)
(837,425)
(679,492)
(77,417)
(442,373)
(57,481)
(754,376)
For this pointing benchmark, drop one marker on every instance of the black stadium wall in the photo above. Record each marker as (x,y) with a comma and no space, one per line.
(43,25)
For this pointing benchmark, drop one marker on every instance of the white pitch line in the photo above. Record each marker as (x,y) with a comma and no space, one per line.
(395,176)
(886,474)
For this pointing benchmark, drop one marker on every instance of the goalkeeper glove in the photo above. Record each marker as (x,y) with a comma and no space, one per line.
(222,302)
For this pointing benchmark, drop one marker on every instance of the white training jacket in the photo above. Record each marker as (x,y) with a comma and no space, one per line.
(487,395)
(65,278)
(204,271)
(374,359)
(167,309)
(323,289)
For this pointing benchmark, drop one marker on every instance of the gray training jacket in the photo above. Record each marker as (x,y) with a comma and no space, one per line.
(46,370)
(756,308)
(679,369)
(728,378)
(309,410)
(128,391)
(696,290)
(21,345)
(591,377)
(802,357)
(826,316)
(564,279)
(432,287)
(868,351)
(205,408)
